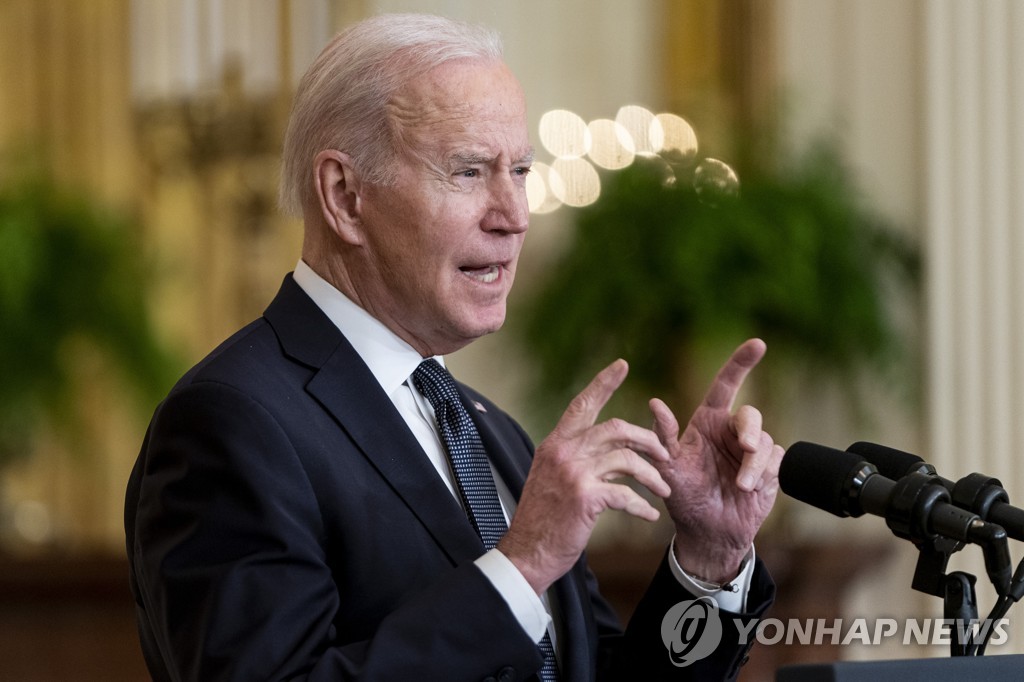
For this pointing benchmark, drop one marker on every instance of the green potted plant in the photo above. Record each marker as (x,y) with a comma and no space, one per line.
(71,273)
(655,273)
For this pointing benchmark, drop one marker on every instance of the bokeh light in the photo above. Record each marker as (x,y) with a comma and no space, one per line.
(612,145)
(715,182)
(664,169)
(643,127)
(679,141)
(564,134)
(538,189)
(575,182)
(666,140)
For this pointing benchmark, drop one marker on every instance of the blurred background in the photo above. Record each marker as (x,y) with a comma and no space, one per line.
(835,176)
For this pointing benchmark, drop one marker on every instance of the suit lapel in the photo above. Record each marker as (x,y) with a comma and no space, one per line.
(500,450)
(348,391)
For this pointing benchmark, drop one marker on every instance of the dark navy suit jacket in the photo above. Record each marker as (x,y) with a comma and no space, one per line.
(283,523)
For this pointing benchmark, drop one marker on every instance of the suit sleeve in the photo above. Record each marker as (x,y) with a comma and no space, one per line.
(642,652)
(232,580)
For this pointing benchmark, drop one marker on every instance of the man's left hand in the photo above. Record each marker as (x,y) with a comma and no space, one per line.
(723,473)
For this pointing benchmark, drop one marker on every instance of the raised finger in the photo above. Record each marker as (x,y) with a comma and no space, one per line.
(746,424)
(755,464)
(583,409)
(666,426)
(771,471)
(730,377)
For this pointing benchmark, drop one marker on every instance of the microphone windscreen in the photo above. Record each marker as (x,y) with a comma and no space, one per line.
(891,463)
(819,475)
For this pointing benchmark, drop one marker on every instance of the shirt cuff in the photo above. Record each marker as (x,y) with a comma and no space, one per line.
(734,600)
(526,606)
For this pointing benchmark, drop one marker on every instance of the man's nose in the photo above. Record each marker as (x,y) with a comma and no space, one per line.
(509,210)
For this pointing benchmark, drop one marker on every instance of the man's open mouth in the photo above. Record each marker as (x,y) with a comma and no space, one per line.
(485,273)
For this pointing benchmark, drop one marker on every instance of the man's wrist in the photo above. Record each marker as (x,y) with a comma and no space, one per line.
(719,568)
(731,595)
(729,585)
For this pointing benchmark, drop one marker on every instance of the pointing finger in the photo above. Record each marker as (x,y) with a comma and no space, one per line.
(587,405)
(665,423)
(730,378)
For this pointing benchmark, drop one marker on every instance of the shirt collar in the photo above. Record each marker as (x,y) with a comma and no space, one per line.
(390,359)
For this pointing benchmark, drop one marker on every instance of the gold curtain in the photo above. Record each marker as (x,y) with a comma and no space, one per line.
(65,93)
(718,64)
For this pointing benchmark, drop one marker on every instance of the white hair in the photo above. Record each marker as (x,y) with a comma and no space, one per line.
(341,102)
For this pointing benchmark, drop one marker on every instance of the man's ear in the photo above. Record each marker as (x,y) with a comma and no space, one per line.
(337,191)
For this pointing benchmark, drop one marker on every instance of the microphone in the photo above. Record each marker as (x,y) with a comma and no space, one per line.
(844,484)
(893,463)
(915,507)
(979,493)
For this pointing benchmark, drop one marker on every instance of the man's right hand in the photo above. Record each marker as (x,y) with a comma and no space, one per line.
(573,479)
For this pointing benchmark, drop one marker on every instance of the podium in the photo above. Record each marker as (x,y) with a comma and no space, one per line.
(956,669)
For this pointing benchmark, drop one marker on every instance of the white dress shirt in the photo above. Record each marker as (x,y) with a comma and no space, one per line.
(392,361)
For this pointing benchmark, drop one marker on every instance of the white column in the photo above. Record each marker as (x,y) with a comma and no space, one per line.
(974,168)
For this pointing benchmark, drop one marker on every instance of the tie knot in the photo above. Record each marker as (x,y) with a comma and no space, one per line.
(435,383)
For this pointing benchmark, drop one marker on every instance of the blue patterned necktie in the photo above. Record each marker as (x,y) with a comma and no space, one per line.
(471,468)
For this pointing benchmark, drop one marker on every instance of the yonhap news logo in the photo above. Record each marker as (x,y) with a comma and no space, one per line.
(691,630)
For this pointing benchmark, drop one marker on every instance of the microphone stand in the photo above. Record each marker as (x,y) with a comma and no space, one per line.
(959,600)
(981,493)
(908,515)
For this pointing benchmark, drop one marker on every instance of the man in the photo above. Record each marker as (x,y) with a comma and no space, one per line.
(294,513)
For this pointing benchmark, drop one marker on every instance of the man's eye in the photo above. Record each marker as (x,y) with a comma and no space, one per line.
(468,173)
(521,170)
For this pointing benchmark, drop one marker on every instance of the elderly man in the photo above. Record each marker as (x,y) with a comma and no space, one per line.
(318,499)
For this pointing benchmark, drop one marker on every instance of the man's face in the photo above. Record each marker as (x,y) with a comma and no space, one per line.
(442,242)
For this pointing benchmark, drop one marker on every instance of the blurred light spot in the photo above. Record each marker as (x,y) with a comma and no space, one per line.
(31,521)
(643,127)
(575,182)
(664,169)
(679,141)
(538,192)
(564,134)
(715,182)
(612,146)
